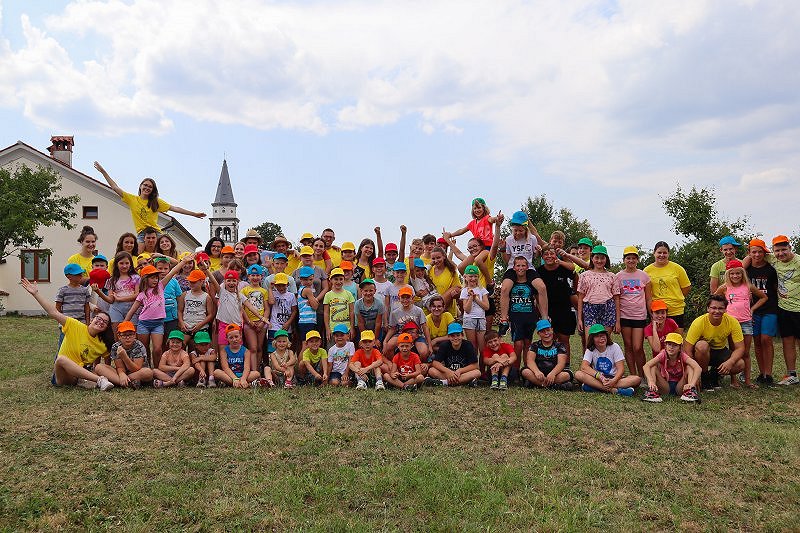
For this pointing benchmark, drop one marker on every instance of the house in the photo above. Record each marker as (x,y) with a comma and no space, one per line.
(99,207)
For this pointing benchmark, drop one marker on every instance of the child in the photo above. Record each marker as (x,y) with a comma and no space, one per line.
(284,307)
(672,372)
(153,309)
(661,326)
(363,260)
(547,362)
(195,308)
(307,303)
(406,313)
(183,276)
(603,365)
(229,305)
(739,292)
(72,300)
(406,368)
(282,360)
(314,366)
(204,359)
(339,355)
(393,295)
(349,285)
(527,296)
(254,329)
(765,320)
(635,292)
(174,368)
(98,277)
(475,301)
(234,360)
(559,278)
(369,311)
(437,321)
(338,304)
(598,294)
(280,265)
(524,241)
(455,363)
(367,361)
(481,228)
(131,365)
(172,291)
(500,358)
(728,246)
(422,284)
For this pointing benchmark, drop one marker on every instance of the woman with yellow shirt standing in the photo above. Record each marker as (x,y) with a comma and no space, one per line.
(669,282)
(88,242)
(147,205)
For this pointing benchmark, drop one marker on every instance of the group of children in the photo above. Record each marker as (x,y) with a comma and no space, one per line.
(246,317)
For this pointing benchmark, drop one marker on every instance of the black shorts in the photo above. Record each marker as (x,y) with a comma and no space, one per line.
(169,327)
(630,323)
(678,320)
(564,322)
(522,325)
(717,357)
(788,323)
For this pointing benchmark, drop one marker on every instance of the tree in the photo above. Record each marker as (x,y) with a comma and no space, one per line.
(268,232)
(30,199)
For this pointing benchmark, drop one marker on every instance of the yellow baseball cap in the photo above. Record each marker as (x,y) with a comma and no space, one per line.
(348,246)
(306,250)
(313,334)
(674,337)
(281,279)
(630,250)
(336,272)
(368,335)
(305,236)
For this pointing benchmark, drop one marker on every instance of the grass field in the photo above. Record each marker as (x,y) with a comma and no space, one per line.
(439,459)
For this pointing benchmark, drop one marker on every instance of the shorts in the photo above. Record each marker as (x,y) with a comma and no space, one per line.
(118,310)
(302,329)
(788,323)
(717,357)
(522,326)
(605,314)
(747,327)
(477,324)
(546,365)
(170,326)
(564,323)
(222,339)
(335,376)
(632,323)
(673,388)
(147,327)
(678,319)
(766,324)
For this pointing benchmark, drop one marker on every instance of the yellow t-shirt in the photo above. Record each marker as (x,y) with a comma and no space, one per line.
(336,257)
(667,282)
(78,345)
(440,331)
(321,264)
(444,282)
(215,263)
(84,262)
(258,297)
(142,215)
(292,264)
(717,336)
(490,267)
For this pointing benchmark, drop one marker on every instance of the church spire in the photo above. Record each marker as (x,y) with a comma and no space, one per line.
(224,222)
(224,190)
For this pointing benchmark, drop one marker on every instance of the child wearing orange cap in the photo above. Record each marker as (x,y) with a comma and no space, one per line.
(765,319)
(349,285)
(129,356)
(407,313)
(405,370)
(234,359)
(195,306)
(660,326)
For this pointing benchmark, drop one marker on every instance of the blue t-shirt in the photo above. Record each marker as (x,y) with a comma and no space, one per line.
(521,298)
(236,359)
(171,293)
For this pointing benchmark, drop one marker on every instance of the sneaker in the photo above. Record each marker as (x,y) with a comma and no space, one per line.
(503,384)
(652,396)
(135,384)
(502,328)
(626,391)
(288,384)
(789,380)
(410,388)
(473,383)
(362,385)
(201,383)
(432,382)
(587,388)
(495,383)
(181,384)
(761,378)
(769,380)
(741,377)
(691,396)
(379,386)
(211,382)
(103,384)
(260,383)
(157,383)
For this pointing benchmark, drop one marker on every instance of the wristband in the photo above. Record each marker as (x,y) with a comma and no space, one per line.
(597,375)
(236,379)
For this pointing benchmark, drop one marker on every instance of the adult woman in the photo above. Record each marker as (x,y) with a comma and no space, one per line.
(167,247)
(238,251)
(363,262)
(670,283)
(320,257)
(126,243)
(83,345)
(214,251)
(88,242)
(147,205)
(445,278)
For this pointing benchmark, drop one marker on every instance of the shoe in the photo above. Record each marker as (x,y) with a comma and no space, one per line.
(201,383)
(473,383)
(136,384)
(769,380)
(626,391)
(410,388)
(362,385)
(103,384)
(260,383)
(789,380)
(211,383)
(502,328)
(86,384)
(157,383)
(761,378)
(181,384)
(652,396)
(587,388)
(691,396)
(741,377)
(432,382)
(380,386)
(288,384)
(495,383)
(503,384)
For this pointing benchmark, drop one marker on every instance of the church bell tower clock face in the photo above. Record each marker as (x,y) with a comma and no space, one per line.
(224,223)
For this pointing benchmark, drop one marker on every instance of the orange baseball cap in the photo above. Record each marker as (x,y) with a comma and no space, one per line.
(232,327)
(405,337)
(125,326)
(780,239)
(148,270)
(761,244)
(405,291)
(658,305)
(227,250)
(346,265)
(195,275)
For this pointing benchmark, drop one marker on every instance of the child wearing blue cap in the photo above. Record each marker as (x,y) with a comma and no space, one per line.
(72,300)
(255,331)
(307,304)
(456,362)
(393,293)
(280,264)
(339,355)
(728,246)
(547,362)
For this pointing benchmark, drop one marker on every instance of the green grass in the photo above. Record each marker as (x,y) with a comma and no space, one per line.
(437,460)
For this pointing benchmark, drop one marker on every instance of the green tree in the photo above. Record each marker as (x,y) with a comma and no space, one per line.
(30,199)
(268,232)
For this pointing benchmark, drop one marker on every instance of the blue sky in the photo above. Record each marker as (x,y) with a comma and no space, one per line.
(356,114)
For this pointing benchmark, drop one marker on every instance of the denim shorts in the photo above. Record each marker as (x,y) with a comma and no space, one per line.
(766,324)
(146,327)
(747,327)
(118,310)
(478,324)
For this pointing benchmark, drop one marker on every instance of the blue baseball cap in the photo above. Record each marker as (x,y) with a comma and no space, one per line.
(543,324)
(399,266)
(279,256)
(341,328)
(419,263)
(454,327)
(727,239)
(99,257)
(73,269)
(520,218)
(306,272)
(255,269)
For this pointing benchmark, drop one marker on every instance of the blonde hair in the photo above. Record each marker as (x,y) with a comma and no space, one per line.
(745,279)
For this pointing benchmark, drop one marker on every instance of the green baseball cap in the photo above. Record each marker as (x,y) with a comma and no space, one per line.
(587,241)
(202,337)
(471,269)
(597,328)
(280,333)
(600,249)
(176,334)
(479,201)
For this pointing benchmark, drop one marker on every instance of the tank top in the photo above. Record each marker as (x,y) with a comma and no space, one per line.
(306,313)
(194,308)
(739,302)
(236,359)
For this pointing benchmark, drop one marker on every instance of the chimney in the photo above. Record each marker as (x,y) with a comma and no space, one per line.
(61,148)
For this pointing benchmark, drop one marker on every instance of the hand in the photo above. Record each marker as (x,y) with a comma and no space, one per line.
(471,293)
(537,249)
(100,168)
(653,387)
(539,375)
(265,321)
(617,327)
(403,228)
(580,325)
(560,252)
(121,352)
(687,386)
(199,215)
(395,375)
(324,378)
(124,380)
(94,287)
(446,235)
(499,218)
(453,376)
(495,368)
(377,230)
(29,286)
(725,367)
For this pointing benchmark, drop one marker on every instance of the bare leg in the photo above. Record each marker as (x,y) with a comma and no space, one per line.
(68,372)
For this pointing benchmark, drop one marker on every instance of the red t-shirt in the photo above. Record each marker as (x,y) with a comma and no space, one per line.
(505,348)
(670,326)
(365,359)
(482,230)
(406,367)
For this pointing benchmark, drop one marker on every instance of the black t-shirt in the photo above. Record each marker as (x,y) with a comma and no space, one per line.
(766,279)
(455,359)
(523,296)
(559,290)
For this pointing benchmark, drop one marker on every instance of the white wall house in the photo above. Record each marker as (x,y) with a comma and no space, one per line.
(99,207)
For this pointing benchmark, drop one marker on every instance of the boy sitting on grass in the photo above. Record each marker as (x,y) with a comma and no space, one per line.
(546,363)
(367,361)
(500,358)
(131,363)
(339,355)
(456,362)
(314,366)
(204,359)
(406,368)
(235,362)
(672,372)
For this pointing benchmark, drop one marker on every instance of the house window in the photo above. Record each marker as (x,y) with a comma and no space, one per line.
(35,265)
(90,211)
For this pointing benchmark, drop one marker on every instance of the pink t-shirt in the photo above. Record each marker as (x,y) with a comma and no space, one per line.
(671,371)
(482,230)
(739,302)
(670,326)
(632,302)
(597,287)
(153,305)
(126,287)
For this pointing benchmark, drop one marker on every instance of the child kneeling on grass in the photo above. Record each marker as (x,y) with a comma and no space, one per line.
(546,363)
(406,368)
(367,360)
(204,359)
(603,365)
(235,361)
(500,358)
(131,364)
(456,362)
(282,360)
(174,367)
(314,366)
(672,372)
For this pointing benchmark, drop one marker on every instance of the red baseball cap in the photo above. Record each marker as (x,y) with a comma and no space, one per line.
(202,256)
(231,274)
(378,261)
(733,263)
(250,249)
(390,247)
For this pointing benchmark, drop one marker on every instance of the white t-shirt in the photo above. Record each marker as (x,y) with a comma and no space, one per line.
(524,248)
(340,357)
(229,306)
(605,362)
(476,311)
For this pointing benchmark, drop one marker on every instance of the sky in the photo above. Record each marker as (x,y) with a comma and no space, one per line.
(357,114)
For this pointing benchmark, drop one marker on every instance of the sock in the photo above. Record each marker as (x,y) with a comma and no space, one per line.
(378,381)
(444,382)
(361,380)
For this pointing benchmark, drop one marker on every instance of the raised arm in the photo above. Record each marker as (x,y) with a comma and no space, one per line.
(378,241)
(402,252)
(111,183)
(183,211)
(48,306)
(498,221)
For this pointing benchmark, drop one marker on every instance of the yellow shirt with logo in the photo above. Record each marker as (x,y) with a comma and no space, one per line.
(142,215)
(78,345)
(667,282)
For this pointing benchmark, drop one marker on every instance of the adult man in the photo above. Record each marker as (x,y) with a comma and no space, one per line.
(336,254)
(709,339)
(728,246)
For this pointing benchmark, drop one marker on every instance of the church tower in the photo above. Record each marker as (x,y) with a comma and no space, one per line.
(224,223)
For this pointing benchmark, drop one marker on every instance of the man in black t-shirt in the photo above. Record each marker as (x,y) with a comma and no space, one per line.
(456,362)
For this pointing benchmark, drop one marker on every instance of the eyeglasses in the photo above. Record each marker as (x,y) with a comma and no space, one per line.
(101,320)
